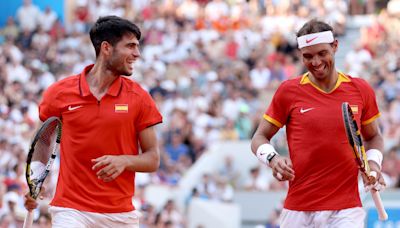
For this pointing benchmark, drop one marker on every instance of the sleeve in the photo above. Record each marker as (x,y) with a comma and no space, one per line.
(370,111)
(279,108)
(48,105)
(149,114)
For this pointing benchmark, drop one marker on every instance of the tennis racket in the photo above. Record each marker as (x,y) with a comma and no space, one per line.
(42,153)
(354,137)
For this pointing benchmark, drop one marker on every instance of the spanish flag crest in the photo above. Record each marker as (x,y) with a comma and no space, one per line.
(121,108)
(354,109)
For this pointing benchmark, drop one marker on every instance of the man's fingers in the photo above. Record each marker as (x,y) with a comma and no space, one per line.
(288,162)
(366,179)
(286,165)
(99,159)
(375,182)
(278,176)
(282,170)
(285,171)
(30,203)
(110,176)
(99,164)
(42,193)
(281,174)
(105,170)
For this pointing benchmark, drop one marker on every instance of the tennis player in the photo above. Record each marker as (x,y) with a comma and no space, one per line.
(321,168)
(105,117)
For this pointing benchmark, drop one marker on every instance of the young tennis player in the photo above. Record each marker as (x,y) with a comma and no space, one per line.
(321,168)
(105,117)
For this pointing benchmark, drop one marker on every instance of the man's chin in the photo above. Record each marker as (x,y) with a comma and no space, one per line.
(319,74)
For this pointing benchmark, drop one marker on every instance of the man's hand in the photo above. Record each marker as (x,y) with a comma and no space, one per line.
(376,180)
(109,167)
(30,203)
(282,168)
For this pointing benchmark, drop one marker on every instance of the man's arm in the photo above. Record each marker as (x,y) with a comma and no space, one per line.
(111,166)
(280,165)
(149,159)
(263,134)
(372,136)
(373,139)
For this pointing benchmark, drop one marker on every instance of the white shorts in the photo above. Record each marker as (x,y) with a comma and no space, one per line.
(70,218)
(346,218)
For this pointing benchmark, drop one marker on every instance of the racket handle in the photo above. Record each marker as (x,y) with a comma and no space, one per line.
(28,220)
(379,205)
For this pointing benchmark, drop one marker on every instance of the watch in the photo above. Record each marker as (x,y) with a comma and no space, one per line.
(271,156)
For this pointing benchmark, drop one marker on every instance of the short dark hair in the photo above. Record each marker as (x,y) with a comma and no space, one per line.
(314,26)
(111,29)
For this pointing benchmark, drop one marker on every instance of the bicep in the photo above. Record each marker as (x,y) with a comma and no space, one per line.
(370,130)
(263,134)
(372,136)
(148,139)
(266,129)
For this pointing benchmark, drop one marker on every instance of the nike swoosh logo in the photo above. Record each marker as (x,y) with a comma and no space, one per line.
(71,108)
(310,40)
(305,110)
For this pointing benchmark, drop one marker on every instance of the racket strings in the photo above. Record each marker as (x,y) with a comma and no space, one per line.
(44,147)
(355,137)
(355,133)
(358,144)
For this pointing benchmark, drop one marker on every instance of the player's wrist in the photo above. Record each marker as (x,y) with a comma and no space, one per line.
(375,156)
(266,152)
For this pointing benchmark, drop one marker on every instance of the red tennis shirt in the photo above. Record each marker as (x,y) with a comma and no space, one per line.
(326,174)
(91,129)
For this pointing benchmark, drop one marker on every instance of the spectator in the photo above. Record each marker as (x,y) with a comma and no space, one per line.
(176,148)
(207,187)
(170,216)
(256,182)
(10,30)
(47,18)
(28,16)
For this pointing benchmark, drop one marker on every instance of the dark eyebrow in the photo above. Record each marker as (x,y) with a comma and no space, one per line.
(133,44)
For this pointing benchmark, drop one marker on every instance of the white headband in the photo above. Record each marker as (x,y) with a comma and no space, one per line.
(315,38)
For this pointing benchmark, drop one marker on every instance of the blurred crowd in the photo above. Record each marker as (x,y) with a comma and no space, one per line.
(212,67)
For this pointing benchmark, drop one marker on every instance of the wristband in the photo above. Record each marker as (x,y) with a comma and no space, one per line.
(376,156)
(265,153)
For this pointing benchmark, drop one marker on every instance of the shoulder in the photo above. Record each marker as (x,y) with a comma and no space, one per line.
(290,84)
(294,82)
(133,87)
(63,84)
(359,82)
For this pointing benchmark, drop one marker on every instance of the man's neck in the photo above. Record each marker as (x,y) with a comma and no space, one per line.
(99,80)
(326,84)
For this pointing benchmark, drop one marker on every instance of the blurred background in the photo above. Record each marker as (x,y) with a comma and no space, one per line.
(212,67)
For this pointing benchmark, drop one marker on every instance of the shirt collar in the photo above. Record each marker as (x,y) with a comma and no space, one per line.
(342,78)
(84,90)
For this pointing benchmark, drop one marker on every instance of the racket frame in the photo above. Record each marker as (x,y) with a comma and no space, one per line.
(355,141)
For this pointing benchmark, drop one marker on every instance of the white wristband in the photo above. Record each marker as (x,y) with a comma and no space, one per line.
(375,155)
(266,152)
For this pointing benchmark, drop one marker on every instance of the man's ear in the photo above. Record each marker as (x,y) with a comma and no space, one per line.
(335,45)
(106,48)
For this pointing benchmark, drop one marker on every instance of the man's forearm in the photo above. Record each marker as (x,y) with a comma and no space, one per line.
(148,161)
